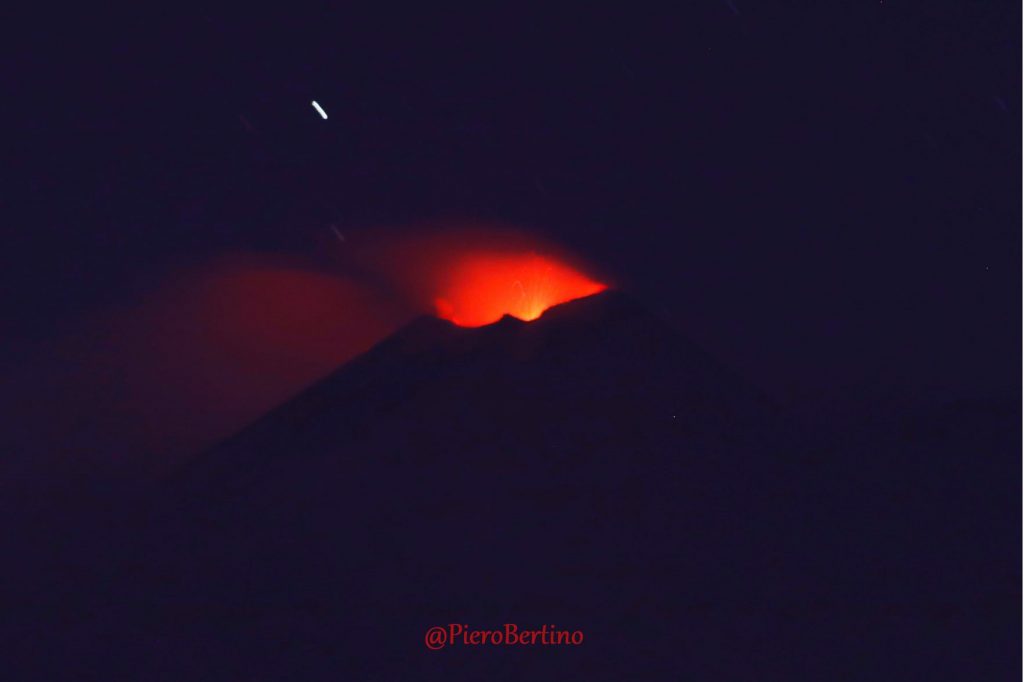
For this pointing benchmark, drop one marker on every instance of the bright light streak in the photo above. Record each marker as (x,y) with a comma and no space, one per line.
(319,110)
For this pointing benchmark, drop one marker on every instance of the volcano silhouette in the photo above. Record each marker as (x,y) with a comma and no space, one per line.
(591,470)
(583,471)
(593,376)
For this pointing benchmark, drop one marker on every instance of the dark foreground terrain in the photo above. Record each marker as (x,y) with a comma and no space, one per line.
(592,470)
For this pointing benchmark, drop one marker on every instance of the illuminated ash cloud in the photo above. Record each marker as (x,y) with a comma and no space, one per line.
(473,276)
(483,287)
(212,345)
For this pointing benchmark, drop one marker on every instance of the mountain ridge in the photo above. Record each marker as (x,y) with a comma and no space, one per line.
(590,335)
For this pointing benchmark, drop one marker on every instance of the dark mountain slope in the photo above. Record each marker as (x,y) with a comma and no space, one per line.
(591,470)
(583,370)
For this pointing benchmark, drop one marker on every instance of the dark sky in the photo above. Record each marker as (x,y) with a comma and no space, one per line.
(823,194)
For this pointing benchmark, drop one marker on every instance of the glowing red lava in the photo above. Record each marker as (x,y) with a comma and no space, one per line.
(481,288)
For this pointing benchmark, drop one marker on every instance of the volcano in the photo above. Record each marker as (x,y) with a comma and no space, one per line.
(538,473)
(593,375)
(591,471)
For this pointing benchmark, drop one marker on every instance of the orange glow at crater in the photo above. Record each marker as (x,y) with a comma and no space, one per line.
(480,288)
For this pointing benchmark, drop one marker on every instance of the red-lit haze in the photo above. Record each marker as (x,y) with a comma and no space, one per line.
(138,386)
(471,274)
(166,370)
(480,288)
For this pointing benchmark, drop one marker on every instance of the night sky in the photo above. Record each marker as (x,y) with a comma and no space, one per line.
(824,195)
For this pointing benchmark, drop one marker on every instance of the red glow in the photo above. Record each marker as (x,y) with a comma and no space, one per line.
(138,386)
(483,287)
(191,354)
